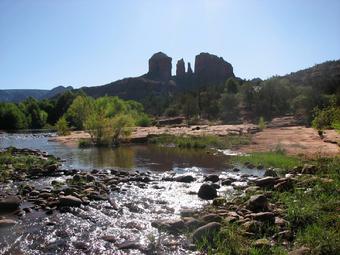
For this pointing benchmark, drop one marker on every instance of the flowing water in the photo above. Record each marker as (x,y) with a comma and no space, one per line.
(81,230)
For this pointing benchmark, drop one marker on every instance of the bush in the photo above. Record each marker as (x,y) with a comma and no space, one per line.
(143,121)
(262,123)
(62,127)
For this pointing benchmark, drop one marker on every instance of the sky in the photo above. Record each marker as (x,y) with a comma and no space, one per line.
(47,43)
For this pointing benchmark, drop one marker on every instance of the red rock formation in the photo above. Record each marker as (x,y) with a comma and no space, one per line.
(210,68)
(189,72)
(180,68)
(159,67)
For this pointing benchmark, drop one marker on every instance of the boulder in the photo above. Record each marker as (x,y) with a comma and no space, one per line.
(69,201)
(263,216)
(159,67)
(252,226)
(9,204)
(205,231)
(212,178)
(257,203)
(172,226)
(207,191)
(268,181)
(211,217)
(4,223)
(185,178)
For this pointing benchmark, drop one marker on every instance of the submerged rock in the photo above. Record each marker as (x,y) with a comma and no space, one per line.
(185,178)
(9,204)
(212,178)
(7,223)
(207,192)
(69,201)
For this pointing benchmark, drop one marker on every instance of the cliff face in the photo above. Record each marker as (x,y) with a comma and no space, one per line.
(159,67)
(211,68)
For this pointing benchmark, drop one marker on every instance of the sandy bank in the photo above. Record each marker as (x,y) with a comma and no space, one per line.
(296,140)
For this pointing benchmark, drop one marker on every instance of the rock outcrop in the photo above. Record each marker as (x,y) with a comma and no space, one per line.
(211,68)
(160,67)
(189,72)
(180,68)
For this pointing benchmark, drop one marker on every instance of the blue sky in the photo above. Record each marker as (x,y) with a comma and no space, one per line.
(46,43)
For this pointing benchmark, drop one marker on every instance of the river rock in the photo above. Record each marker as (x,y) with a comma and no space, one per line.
(129,245)
(185,178)
(172,226)
(7,223)
(205,231)
(207,192)
(270,172)
(69,201)
(263,216)
(309,169)
(252,226)
(212,178)
(300,251)
(262,243)
(284,185)
(212,217)
(257,203)
(9,204)
(226,182)
(268,181)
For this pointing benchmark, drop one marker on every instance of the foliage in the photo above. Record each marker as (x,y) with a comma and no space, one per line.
(111,119)
(201,142)
(62,127)
(262,123)
(78,111)
(11,117)
(11,164)
(328,117)
(143,120)
(269,159)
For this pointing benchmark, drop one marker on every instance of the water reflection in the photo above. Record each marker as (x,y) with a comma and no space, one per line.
(141,157)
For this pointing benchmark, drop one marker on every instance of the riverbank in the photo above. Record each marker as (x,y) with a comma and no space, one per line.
(296,140)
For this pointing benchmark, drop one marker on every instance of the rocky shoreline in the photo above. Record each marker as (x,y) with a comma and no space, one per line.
(259,220)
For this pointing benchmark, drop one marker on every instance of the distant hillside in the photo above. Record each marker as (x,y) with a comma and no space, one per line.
(324,76)
(18,95)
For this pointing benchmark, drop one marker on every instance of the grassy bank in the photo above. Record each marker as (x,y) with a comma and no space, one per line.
(270,159)
(310,209)
(201,142)
(16,164)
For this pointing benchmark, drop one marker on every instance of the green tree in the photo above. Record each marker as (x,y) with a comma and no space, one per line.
(229,110)
(36,117)
(231,86)
(62,127)
(79,110)
(11,117)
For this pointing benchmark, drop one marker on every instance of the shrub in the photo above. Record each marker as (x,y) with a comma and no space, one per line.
(262,123)
(143,121)
(62,127)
